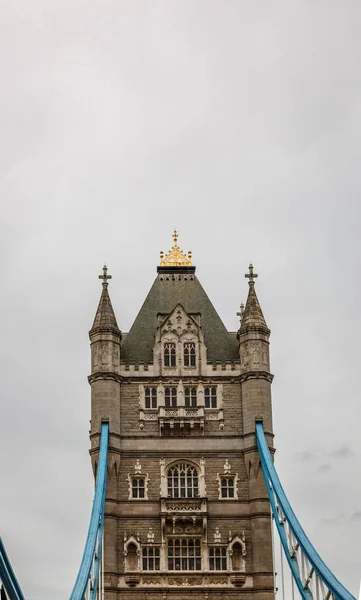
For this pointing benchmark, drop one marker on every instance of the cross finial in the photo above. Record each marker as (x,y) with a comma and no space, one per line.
(175,238)
(105,276)
(251,276)
(240,314)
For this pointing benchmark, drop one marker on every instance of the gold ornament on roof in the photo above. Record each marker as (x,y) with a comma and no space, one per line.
(176,258)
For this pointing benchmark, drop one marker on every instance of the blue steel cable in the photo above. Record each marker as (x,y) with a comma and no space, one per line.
(273,484)
(8,577)
(81,582)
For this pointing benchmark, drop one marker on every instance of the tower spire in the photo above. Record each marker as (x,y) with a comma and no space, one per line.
(252,315)
(105,318)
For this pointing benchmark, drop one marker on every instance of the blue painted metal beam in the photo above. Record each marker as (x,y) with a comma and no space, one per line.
(8,577)
(274,487)
(96,518)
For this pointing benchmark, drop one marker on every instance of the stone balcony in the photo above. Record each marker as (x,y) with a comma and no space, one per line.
(181,418)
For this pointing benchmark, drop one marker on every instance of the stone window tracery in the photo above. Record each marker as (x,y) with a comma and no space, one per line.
(170,397)
(189,354)
(150,397)
(184,554)
(217,558)
(183,481)
(210,397)
(169,356)
(190,397)
(150,559)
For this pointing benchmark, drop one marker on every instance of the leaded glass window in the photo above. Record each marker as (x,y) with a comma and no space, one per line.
(184,554)
(183,481)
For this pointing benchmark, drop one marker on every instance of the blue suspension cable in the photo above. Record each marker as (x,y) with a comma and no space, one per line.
(8,577)
(96,520)
(274,488)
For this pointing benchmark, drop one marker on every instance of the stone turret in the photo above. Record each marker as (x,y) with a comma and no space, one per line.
(253,336)
(105,380)
(105,337)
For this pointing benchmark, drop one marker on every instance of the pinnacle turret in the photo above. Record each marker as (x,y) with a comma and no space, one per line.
(105,320)
(252,315)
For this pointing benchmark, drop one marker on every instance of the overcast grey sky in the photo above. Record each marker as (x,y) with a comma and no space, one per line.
(238,123)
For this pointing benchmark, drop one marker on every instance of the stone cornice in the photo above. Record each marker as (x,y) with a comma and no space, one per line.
(105,375)
(256,375)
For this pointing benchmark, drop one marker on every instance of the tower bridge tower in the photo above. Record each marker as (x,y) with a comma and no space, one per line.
(187,514)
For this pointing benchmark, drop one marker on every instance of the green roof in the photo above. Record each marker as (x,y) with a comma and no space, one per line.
(165,293)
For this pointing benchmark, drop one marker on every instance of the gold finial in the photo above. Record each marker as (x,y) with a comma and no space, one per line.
(105,276)
(251,276)
(175,257)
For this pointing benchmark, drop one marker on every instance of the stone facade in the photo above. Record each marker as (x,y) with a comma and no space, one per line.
(187,514)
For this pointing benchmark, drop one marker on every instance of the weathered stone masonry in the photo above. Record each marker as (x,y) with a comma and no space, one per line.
(187,514)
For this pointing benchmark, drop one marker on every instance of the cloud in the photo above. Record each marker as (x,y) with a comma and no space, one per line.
(343,451)
(304,456)
(325,467)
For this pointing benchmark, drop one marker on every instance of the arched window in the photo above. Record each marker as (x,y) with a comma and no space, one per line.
(190,396)
(150,397)
(170,396)
(210,397)
(169,355)
(183,481)
(189,354)
(184,554)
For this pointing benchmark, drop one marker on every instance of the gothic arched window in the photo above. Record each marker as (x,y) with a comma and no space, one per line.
(190,396)
(170,396)
(184,554)
(169,355)
(183,481)
(189,354)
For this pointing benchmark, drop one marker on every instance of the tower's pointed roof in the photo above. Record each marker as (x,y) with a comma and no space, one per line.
(105,318)
(175,284)
(252,315)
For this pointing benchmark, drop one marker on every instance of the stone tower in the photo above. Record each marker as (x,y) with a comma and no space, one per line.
(187,514)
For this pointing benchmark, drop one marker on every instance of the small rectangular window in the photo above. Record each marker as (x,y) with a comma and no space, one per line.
(150,397)
(210,397)
(169,358)
(217,559)
(151,558)
(138,487)
(227,487)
